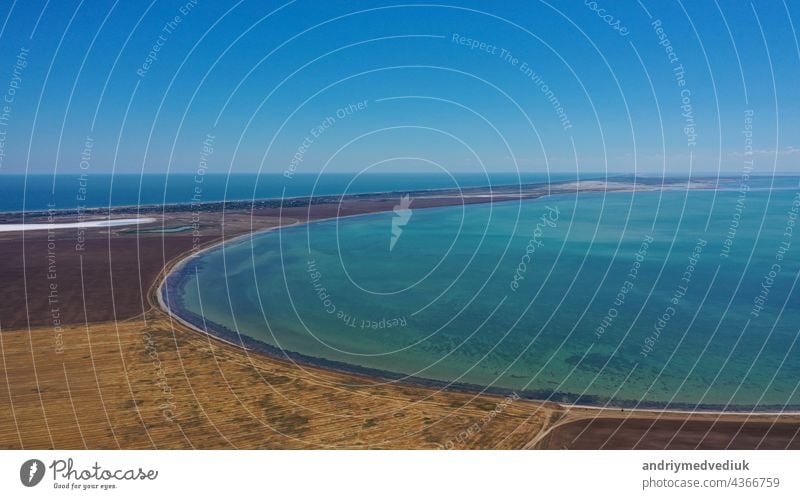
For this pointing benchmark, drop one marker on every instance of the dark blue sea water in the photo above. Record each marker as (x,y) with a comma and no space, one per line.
(70,191)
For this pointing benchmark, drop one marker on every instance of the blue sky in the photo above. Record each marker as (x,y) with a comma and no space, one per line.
(559,86)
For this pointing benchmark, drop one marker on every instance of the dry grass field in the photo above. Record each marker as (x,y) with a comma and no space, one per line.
(153,384)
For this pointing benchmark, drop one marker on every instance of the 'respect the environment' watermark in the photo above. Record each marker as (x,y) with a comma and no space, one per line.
(53,296)
(744,186)
(166,32)
(523,67)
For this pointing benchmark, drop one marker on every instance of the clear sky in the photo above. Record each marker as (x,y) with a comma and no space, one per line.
(650,86)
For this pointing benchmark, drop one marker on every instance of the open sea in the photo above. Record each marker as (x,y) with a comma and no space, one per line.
(71,191)
(674,299)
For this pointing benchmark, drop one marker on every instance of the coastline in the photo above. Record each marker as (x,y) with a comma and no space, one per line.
(143,379)
(515,191)
(565,400)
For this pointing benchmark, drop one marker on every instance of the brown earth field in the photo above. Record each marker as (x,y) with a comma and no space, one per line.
(90,361)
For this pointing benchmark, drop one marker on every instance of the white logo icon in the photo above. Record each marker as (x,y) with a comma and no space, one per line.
(402,214)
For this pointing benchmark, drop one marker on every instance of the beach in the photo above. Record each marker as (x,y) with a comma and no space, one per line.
(92,360)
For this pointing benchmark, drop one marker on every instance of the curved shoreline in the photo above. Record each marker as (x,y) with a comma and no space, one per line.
(566,400)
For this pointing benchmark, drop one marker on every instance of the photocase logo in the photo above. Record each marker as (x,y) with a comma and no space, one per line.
(402,214)
(31,472)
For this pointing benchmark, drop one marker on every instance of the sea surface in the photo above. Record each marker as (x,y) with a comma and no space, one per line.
(72,191)
(674,299)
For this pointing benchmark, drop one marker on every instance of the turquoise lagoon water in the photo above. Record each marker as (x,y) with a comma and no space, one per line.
(658,299)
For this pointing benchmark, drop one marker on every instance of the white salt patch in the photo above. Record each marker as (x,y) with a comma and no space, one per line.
(76,225)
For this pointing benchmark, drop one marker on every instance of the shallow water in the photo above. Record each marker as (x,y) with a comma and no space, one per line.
(627,298)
